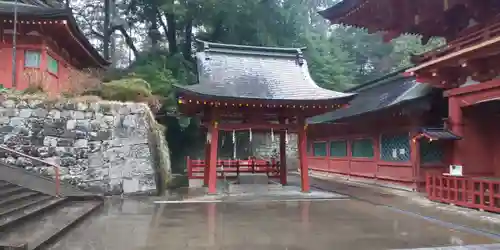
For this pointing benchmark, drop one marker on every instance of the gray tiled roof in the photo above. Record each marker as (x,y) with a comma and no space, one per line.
(32,8)
(387,93)
(440,134)
(262,73)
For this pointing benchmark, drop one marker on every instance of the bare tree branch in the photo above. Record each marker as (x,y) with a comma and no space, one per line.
(162,23)
(128,39)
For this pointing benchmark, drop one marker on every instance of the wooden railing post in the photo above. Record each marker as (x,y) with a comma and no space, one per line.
(238,169)
(268,166)
(189,167)
(428,185)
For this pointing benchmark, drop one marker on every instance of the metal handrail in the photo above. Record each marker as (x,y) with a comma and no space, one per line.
(56,167)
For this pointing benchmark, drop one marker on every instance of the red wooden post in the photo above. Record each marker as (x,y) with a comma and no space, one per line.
(282,169)
(212,169)
(237,169)
(304,172)
(270,166)
(456,126)
(207,160)
(189,167)
(415,159)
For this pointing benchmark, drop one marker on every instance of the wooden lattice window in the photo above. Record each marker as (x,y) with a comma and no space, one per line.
(319,149)
(52,65)
(338,148)
(431,151)
(32,59)
(362,148)
(395,147)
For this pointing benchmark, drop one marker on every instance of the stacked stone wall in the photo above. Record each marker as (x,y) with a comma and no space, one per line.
(101,146)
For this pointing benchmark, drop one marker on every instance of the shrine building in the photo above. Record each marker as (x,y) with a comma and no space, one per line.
(465,70)
(372,139)
(49,46)
(254,89)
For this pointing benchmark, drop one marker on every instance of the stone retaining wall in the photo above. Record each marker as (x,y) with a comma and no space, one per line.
(101,146)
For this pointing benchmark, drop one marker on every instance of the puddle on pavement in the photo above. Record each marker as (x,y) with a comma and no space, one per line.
(248,193)
(132,224)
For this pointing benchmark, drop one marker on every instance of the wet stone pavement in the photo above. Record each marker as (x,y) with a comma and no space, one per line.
(142,224)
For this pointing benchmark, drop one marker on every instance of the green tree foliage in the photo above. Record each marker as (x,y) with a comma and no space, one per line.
(339,57)
(129,89)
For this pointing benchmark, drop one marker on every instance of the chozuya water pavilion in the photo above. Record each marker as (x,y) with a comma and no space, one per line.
(258,89)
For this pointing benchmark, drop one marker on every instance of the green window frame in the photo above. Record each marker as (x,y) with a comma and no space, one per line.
(431,151)
(395,147)
(32,58)
(338,148)
(319,149)
(52,65)
(362,148)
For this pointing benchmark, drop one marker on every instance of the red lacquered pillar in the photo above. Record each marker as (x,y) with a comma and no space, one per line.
(304,173)
(283,172)
(212,166)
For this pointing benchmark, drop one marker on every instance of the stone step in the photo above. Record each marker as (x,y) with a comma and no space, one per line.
(21,177)
(4,184)
(10,190)
(262,179)
(23,203)
(17,217)
(14,197)
(252,188)
(40,230)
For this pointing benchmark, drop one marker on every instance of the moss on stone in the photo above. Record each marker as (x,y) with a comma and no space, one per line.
(160,152)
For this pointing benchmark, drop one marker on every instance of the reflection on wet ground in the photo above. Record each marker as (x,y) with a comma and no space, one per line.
(329,224)
(244,193)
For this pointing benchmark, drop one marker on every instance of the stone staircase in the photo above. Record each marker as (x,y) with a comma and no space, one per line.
(251,183)
(253,179)
(30,218)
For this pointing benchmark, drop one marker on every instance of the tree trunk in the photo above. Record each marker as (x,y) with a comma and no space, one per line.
(171,38)
(188,40)
(151,16)
(107,31)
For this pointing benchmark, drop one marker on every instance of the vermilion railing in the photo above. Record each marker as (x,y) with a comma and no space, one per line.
(467,191)
(56,167)
(489,31)
(233,168)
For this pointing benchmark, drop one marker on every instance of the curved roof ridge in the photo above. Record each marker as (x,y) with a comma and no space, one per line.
(269,74)
(212,45)
(396,74)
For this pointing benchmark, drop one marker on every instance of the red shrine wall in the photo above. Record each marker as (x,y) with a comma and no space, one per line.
(408,173)
(53,78)
(475,112)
